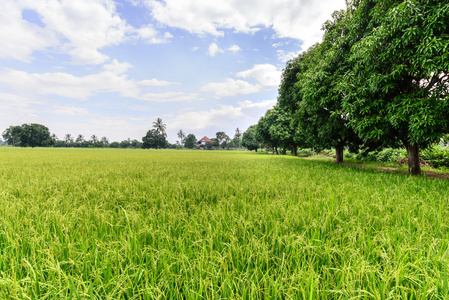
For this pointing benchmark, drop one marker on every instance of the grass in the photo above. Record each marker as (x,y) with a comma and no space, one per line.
(147,224)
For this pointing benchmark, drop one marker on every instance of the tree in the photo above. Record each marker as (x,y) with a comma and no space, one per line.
(238,136)
(263,130)
(104,140)
(181,136)
(397,89)
(190,141)
(68,139)
(249,139)
(154,139)
(35,135)
(159,125)
(114,145)
(222,138)
(11,135)
(80,139)
(135,144)
(94,139)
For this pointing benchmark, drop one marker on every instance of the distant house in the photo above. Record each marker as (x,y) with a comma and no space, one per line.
(202,143)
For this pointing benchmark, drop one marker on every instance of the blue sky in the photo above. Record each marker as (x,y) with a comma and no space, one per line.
(110,68)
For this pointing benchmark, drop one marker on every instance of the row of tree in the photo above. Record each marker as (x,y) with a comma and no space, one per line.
(37,135)
(379,78)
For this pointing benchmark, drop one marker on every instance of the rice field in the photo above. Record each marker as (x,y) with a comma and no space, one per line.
(153,224)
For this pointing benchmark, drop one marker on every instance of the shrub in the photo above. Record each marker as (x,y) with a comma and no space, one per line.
(436,155)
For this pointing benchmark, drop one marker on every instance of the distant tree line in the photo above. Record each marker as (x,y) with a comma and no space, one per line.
(37,135)
(379,78)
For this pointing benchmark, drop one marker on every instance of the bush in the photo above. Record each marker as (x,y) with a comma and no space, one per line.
(437,156)
(386,155)
(305,152)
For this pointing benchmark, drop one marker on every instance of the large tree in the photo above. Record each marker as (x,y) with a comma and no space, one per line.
(154,139)
(11,135)
(320,114)
(249,139)
(397,90)
(190,141)
(222,138)
(35,135)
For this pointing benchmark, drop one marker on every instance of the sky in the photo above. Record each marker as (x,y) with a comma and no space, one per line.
(110,68)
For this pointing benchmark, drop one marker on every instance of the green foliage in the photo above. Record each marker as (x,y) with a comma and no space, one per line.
(12,135)
(396,91)
(118,224)
(437,156)
(154,139)
(190,141)
(385,155)
(249,140)
(28,135)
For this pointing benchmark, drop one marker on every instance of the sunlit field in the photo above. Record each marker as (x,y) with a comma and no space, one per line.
(148,224)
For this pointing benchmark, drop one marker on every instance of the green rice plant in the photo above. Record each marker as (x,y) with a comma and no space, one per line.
(152,224)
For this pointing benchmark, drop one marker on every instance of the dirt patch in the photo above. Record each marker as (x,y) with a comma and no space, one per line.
(436,175)
(422,162)
(388,168)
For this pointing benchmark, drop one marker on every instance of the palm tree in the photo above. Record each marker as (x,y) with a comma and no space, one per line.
(80,139)
(94,139)
(181,136)
(68,139)
(237,135)
(159,125)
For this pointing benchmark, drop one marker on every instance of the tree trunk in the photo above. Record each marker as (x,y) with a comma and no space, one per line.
(414,167)
(313,151)
(339,154)
(294,150)
(277,152)
(284,151)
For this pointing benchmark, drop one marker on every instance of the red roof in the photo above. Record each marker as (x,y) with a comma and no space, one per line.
(205,139)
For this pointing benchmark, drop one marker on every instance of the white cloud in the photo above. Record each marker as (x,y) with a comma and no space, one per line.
(112,80)
(234,48)
(245,112)
(300,20)
(214,49)
(78,28)
(156,82)
(169,97)
(19,38)
(68,111)
(266,75)
(231,87)
(152,36)
(286,56)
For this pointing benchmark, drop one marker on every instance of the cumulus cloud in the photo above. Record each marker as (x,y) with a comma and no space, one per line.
(112,79)
(169,97)
(300,20)
(266,75)
(156,82)
(245,112)
(286,56)
(19,38)
(231,87)
(234,48)
(214,49)
(61,110)
(78,28)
